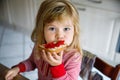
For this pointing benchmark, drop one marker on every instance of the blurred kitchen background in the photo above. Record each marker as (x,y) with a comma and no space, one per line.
(99,21)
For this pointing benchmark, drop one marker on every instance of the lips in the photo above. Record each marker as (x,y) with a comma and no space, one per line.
(54,44)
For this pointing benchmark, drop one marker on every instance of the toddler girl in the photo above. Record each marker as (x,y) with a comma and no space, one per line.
(56,20)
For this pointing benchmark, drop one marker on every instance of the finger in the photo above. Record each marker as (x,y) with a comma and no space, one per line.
(55,55)
(51,57)
(61,54)
(45,57)
(9,76)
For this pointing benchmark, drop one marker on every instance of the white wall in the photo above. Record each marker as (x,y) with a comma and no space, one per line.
(100,27)
(19,13)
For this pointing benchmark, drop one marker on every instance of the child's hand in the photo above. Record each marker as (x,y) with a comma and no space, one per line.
(12,73)
(53,59)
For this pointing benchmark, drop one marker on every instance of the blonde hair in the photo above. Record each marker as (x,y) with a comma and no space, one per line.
(51,10)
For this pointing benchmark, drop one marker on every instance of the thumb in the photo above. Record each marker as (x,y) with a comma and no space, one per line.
(61,53)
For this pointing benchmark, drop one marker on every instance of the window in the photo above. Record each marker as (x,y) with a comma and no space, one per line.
(118,45)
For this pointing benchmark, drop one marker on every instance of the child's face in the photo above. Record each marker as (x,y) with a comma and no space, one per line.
(59,31)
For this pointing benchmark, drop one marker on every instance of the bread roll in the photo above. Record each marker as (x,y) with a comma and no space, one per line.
(53,46)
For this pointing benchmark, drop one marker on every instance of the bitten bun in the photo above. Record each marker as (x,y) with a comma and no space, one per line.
(53,46)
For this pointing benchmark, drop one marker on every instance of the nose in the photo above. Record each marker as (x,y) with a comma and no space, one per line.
(60,35)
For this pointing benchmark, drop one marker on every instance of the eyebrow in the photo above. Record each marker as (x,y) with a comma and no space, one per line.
(68,25)
(65,25)
(47,25)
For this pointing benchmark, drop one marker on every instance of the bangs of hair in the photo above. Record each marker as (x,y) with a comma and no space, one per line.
(59,13)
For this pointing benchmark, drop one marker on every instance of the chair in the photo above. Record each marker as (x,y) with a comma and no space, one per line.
(91,60)
(112,72)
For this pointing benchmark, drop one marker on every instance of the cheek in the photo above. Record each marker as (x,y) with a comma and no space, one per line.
(48,37)
(69,38)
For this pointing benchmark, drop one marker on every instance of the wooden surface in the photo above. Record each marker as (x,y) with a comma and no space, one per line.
(110,71)
(3,71)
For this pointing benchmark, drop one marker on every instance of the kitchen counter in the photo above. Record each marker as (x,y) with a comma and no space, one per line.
(3,71)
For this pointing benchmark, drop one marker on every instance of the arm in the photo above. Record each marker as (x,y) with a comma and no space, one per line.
(28,64)
(68,70)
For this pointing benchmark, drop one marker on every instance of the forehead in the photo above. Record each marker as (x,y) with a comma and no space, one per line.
(67,21)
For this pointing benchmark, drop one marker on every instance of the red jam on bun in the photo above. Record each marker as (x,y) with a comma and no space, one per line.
(56,46)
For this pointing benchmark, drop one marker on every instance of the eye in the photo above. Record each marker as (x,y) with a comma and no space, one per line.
(66,29)
(51,28)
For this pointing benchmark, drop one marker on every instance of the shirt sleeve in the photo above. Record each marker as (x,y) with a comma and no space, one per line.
(70,71)
(58,71)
